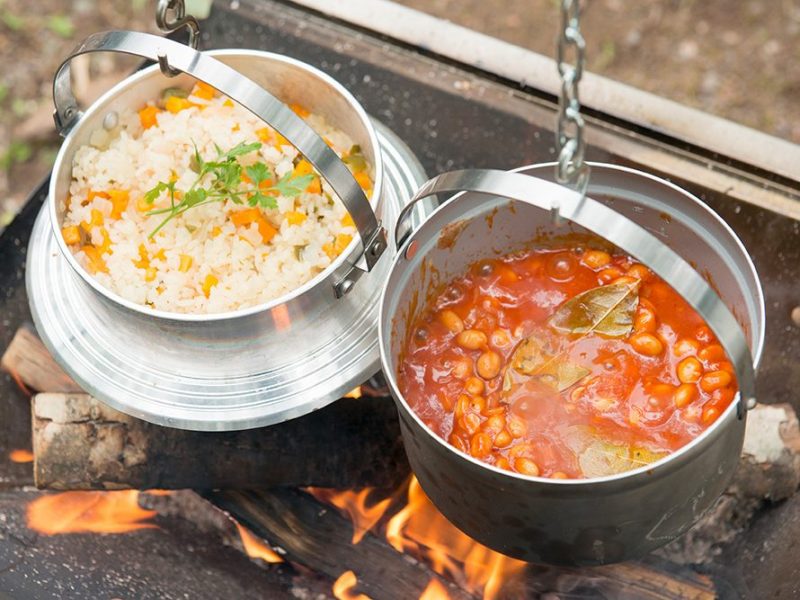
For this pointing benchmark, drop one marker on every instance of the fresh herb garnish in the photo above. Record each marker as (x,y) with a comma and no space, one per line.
(224,182)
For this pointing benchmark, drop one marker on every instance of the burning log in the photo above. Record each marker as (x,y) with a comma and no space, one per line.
(81,444)
(313,535)
(317,537)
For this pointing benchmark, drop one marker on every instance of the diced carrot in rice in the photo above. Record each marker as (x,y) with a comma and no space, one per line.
(209,282)
(148,116)
(71,234)
(294,218)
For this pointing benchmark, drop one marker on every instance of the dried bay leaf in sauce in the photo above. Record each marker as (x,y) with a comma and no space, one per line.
(530,359)
(598,457)
(608,310)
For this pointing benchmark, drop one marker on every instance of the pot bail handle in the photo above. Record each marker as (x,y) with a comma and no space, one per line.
(624,234)
(255,99)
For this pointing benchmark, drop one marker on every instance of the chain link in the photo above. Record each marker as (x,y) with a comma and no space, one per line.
(570,142)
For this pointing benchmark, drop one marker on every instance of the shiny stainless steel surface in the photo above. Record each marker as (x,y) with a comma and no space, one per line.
(605,519)
(245,76)
(247,368)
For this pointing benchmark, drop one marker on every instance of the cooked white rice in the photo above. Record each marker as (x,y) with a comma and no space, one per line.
(229,267)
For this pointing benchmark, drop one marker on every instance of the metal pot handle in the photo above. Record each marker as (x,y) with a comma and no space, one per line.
(253,97)
(626,235)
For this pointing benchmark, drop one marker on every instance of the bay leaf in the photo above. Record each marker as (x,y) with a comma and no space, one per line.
(608,310)
(603,458)
(529,358)
(598,457)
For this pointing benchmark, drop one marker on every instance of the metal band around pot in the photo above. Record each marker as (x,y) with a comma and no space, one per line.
(250,95)
(623,233)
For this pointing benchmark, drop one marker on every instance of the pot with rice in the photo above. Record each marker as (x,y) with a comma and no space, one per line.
(218,237)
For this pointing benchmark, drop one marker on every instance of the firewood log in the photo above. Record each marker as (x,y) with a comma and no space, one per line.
(80,443)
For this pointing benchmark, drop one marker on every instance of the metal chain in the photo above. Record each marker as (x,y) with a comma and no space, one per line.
(570,142)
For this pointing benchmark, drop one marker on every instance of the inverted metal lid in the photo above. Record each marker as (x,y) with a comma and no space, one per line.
(74,325)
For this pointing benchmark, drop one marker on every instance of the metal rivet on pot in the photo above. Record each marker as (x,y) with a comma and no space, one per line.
(376,248)
(750,403)
(110,120)
(412,250)
(345,286)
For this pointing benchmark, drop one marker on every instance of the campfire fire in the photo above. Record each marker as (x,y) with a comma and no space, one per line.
(88,512)
(343,587)
(255,548)
(20,456)
(421,530)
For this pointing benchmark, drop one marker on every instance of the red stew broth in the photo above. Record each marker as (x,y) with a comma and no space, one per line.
(635,397)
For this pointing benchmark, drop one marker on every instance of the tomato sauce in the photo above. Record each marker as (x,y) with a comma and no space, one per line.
(564,364)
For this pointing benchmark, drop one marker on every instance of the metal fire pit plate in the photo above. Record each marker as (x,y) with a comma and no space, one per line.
(134,382)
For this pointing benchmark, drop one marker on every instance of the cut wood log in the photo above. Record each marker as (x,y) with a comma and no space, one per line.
(314,535)
(80,443)
(29,362)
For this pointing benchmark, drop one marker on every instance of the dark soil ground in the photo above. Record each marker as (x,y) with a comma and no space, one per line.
(738,59)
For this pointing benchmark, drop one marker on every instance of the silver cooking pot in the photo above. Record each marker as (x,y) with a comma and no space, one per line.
(581,521)
(250,367)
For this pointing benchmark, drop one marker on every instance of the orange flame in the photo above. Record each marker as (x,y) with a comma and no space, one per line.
(354,504)
(435,591)
(343,587)
(420,529)
(20,456)
(88,512)
(354,393)
(255,548)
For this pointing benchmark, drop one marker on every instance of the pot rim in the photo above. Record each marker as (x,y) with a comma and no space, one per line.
(162,315)
(648,470)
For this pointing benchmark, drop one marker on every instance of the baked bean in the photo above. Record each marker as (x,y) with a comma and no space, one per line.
(503,463)
(462,406)
(489,364)
(456,441)
(462,367)
(481,445)
(517,426)
(499,338)
(595,259)
(710,414)
(647,344)
(690,370)
(472,339)
(452,321)
(472,422)
(559,475)
(625,279)
(715,380)
(473,386)
(476,404)
(722,397)
(685,394)
(639,271)
(495,424)
(685,346)
(519,449)
(526,466)
(609,274)
(724,366)
(645,321)
(502,439)
(712,353)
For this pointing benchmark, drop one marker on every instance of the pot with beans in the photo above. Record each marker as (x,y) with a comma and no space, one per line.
(570,389)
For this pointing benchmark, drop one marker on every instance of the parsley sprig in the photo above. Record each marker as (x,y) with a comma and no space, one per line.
(224,182)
